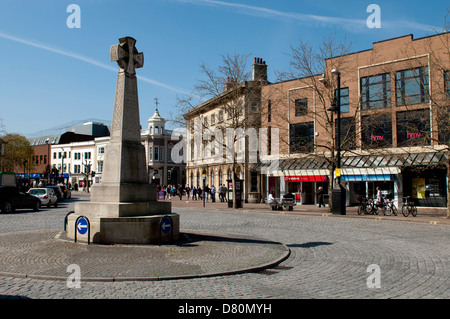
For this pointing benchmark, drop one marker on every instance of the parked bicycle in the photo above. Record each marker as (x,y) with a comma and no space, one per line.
(389,208)
(367,207)
(409,207)
(371,206)
(362,206)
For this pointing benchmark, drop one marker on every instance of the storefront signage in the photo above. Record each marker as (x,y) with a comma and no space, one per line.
(308,178)
(367,178)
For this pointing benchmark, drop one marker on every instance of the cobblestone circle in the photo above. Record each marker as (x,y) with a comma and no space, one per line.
(329,258)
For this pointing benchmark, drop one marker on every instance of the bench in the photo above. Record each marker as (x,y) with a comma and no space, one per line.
(280,203)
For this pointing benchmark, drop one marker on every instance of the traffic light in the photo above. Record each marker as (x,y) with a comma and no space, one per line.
(54,172)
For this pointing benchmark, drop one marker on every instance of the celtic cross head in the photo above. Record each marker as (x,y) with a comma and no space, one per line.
(127,56)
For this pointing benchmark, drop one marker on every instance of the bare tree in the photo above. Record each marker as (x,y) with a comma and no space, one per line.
(367,127)
(311,68)
(231,104)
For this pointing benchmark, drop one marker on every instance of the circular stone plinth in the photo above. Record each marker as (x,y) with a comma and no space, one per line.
(47,254)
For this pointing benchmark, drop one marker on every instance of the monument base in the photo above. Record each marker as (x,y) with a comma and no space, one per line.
(125,230)
(123,209)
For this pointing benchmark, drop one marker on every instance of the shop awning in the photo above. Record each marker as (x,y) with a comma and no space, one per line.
(363,165)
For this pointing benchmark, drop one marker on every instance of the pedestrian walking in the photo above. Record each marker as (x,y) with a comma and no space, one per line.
(206,190)
(213,193)
(320,196)
(188,191)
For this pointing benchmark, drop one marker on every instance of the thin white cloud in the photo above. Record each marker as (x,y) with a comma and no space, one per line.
(346,23)
(87,60)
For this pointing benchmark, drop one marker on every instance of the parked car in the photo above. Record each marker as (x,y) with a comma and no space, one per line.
(66,191)
(11,198)
(46,194)
(58,192)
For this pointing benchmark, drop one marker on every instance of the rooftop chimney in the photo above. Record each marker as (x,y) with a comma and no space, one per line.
(259,70)
(230,83)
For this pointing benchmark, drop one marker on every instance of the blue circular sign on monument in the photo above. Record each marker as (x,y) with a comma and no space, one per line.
(166,224)
(82,226)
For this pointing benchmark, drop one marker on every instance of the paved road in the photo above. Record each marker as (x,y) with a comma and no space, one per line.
(330,257)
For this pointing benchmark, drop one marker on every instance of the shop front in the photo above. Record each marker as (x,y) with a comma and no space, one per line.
(365,186)
(428,187)
(304,187)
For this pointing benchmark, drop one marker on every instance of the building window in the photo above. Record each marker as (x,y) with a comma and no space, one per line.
(101,150)
(376,91)
(443,120)
(447,84)
(412,86)
(348,133)
(345,105)
(156,154)
(150,153)
(413,128)
(269,111)
(220,116)
(161,152)
(213,119)
(169,155)
(54,155)
(376,131)
(301,107)
(254,182)
(302,137)
(99,166)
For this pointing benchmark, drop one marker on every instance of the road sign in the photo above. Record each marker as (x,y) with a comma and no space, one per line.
(166,224)
(82,226)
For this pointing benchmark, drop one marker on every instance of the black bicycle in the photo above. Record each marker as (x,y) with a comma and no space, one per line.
(389,208)
(409,207)
(367,206)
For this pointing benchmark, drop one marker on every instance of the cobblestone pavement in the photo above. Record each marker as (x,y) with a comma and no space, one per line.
(331,257)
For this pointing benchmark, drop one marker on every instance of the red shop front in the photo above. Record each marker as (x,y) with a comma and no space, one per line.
(305,187)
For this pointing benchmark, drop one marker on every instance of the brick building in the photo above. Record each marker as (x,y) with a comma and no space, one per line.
(394,123)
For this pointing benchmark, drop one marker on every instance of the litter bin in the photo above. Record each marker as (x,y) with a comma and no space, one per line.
(339,197)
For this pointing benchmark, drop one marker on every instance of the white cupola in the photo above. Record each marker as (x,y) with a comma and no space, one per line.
(156,123)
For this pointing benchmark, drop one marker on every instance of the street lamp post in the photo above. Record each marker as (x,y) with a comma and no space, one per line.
(338,192)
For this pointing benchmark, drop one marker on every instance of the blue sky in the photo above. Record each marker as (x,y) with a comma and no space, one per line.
(53,75)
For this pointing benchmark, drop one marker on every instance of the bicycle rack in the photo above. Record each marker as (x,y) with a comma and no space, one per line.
(89,229)
(171,228)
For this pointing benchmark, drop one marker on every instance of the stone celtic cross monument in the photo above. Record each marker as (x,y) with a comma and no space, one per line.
(123,208)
